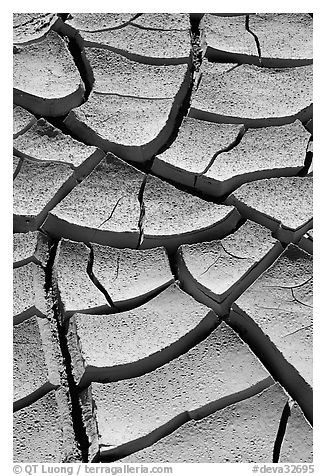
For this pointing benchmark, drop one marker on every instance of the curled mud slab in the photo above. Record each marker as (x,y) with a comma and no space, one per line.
(133,128)
(101,209)
(267,40)
(72,280)
(194,149)
(46,143)
(46,80)
(282,204)
(173,217)
(111,73)
(218,158)
(261,153)
(227,39)
(285,39)
(145,45)
(254,96)
(129,276)
(138,341)
(100,278)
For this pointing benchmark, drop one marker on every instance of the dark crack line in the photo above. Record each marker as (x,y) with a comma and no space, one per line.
(146,98)
(232,255)
(255,37)
(297,330)
(295,299)
(36,160)
(281,432)
(219,257)
(94,279)
(210,266)
(101,30)
(308,160)
(150,28)
(231,146)
(298,300)
(142,215)
(233,68)
(111,214)
(288,287)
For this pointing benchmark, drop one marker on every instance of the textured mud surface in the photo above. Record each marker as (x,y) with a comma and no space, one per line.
(162,238)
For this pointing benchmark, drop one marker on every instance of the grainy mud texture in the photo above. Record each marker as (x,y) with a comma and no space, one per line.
(163,238)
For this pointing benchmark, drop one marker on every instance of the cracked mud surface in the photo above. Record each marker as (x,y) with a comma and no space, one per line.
(163,238)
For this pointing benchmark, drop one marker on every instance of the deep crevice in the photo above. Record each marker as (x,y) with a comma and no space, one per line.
(173,261)
(182,113)
(76,53)
(281,432)
(64,16)
(94,279)
(197,53)
(308,160)
(76,412)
